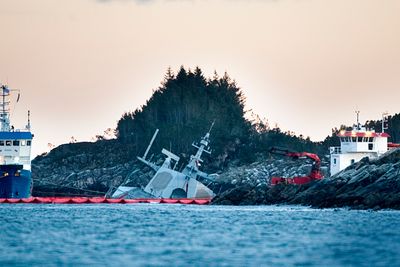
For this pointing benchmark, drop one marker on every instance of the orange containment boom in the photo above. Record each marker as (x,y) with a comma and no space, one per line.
(101,200)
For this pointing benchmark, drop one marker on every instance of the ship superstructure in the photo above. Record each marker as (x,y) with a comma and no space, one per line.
(356,144)
(168,182)
(15,151)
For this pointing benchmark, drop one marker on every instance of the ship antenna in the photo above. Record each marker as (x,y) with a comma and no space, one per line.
(29,120)
(358,119)
(384,121)
(4,116)
(3,89)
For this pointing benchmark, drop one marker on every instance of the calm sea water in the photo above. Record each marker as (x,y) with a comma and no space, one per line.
(189,235)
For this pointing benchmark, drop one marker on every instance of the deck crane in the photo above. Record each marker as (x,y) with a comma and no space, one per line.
(315,173)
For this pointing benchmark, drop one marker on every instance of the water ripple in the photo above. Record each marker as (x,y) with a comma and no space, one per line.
(182,235)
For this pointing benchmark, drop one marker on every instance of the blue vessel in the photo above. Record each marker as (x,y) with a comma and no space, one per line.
(15,151)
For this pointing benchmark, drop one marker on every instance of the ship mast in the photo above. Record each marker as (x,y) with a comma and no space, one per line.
(192,169)
(384,121)
(28,126)
(5,114)
(358,120)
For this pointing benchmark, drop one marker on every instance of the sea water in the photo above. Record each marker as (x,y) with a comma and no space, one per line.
(190,235)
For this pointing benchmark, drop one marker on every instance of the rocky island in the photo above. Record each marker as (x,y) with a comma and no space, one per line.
(184,106)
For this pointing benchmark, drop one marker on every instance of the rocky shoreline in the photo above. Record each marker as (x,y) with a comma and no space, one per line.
(365,185)
(83,169)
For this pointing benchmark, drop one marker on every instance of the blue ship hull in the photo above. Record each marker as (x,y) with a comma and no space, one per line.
(15,182)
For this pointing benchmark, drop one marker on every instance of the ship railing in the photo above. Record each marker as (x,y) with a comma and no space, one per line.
(335,150)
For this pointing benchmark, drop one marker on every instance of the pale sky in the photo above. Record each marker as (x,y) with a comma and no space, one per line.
(304,64)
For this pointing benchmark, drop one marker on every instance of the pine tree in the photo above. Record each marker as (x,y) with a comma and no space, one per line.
(183,108)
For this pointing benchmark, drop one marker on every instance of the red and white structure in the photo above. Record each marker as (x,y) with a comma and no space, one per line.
(357,144)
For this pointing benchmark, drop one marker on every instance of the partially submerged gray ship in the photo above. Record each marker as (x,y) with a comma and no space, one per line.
(171,183)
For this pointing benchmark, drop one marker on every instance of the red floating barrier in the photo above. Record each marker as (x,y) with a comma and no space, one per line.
(43,200)
(28,200)
(62,200)
(94,200)
(97,199)
(202,201)
(169,201)
(80,200)
(186,201)
(13,200)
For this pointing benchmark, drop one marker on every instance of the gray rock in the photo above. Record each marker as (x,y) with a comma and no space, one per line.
(365,185)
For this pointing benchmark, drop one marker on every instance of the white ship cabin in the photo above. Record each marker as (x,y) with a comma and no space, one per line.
(355,145)
(15,148)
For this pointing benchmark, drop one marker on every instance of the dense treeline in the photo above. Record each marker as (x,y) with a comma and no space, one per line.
(392,125)
(186,104)
(265,137)
(183,108)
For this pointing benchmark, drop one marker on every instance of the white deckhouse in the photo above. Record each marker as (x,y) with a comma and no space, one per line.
(357,144)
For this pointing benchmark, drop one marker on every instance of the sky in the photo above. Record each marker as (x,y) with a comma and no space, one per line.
(305,65)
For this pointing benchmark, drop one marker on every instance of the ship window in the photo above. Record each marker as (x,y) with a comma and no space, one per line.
(23,142)
(371,139)
(352,161)
(1,143)
(28,143)
(16,143)
(359,139)
(334,161)
(370,146)
(8,143)
(354,139)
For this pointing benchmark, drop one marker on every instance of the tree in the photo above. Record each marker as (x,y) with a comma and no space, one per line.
(183,108)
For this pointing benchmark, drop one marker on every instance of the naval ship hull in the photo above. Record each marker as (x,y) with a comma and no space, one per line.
(15,182)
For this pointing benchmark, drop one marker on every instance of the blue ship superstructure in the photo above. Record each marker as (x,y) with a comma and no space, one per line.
(15,152)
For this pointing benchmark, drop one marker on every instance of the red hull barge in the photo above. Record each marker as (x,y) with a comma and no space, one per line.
(100,200)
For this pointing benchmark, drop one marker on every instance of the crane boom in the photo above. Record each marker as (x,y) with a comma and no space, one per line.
(315,173)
